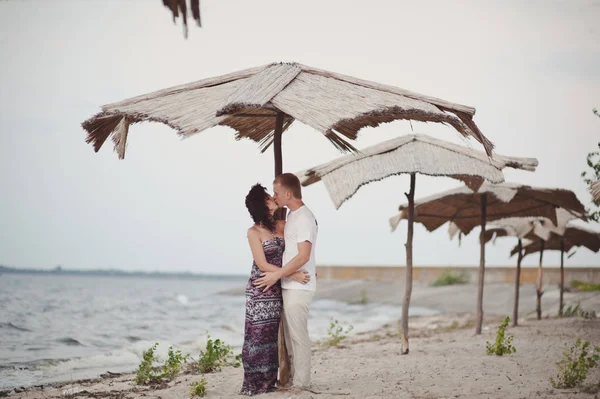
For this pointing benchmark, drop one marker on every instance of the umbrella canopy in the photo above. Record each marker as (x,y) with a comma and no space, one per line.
(516,227)
(529,228)
(574,236)
(248,101)
(410,154)
(463,206)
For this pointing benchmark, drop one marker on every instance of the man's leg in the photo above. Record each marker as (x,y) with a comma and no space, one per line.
(288,345)
(295,308)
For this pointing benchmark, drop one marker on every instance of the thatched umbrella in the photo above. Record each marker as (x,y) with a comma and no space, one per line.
(409,154)
(529,229)
(572,236)
(261,103)
(491,202)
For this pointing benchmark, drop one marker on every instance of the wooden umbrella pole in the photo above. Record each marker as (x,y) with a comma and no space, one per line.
(562,276)
(481,265)
(538,306)
(277,143)
(409,264)
(517,285)
(280,213)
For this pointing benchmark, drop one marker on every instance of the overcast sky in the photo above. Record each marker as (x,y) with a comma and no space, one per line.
(532,70)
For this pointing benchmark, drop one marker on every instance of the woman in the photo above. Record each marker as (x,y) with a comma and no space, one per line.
(263,309)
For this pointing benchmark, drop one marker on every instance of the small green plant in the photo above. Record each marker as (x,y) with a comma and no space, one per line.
(581,286)
(448,277)
(576,311)
(575,364)
(571,310)
(336,333)
(216,356)
(587,314)
(198,388)
(174,363)
(146,373)
(503,344)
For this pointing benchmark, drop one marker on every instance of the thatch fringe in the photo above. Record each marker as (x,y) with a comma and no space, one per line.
(596,191)
(333,104)
(179,6)
(119,137)
(99,127)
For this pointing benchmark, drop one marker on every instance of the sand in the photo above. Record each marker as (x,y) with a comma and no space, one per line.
(446,361)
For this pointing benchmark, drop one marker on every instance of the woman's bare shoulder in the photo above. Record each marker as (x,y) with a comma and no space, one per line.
(253,231)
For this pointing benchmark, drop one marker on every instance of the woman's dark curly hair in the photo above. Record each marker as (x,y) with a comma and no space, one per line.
(256,202)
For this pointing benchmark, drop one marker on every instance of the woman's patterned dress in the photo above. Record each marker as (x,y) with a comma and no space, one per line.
(263,312)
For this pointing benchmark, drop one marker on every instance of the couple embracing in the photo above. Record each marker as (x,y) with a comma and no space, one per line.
(280,290)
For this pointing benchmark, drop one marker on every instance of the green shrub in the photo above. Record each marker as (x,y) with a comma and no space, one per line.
(503,344)
(174,363)
(448,277)
(198,388)
(336,333)
(216,356)
(575,364)
(148,374)
(581,286)
(576,311)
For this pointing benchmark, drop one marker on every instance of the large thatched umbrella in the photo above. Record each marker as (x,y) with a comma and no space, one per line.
(529,229)
(261,103)
(572,236)
(409,154)
(491,202)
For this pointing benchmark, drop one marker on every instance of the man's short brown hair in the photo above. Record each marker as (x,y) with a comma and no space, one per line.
(291,182)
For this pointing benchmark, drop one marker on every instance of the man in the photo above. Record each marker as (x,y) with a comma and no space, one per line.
(300,235)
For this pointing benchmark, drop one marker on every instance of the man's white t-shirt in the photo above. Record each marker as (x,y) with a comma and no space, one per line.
(300,226)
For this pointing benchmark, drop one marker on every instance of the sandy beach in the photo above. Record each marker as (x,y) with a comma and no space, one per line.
(446,359)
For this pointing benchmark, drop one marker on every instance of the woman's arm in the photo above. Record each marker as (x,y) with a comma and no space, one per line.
(258,253)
